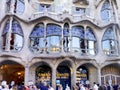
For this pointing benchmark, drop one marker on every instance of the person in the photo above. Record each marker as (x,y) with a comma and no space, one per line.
(75,87)
(81,87)
(50,88)
(43,86)
(4,85)
(60,87)
(67,87)
(95,87)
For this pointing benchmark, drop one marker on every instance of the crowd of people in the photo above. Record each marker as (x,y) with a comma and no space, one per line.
(45,86)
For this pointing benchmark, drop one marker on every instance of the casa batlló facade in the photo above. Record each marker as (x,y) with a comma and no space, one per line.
(60,41)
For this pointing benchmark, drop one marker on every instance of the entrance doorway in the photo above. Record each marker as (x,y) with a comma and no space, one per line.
(63,76)
(12,71)
(82,74)
(111,74)
(110,79)
(44,74)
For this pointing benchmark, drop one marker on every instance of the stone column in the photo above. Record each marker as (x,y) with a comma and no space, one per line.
(62,39)
(115,35)
(99,76)
(73,77)
(26,74)
(70,39)
(54,78)
(12,6)
(7,48)
(45,40)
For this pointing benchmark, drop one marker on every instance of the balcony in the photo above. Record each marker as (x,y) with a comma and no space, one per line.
(81,2)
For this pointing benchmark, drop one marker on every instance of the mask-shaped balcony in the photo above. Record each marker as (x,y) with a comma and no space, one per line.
(81,2)
(46,1)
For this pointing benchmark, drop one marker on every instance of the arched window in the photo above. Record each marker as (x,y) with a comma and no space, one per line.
(19,6)
(77,38)
(37,38)
(66,34)
(109,43)
(53,34)
(90,41)
(106,12)
(16,40)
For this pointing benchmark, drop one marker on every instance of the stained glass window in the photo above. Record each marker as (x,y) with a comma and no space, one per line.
(16,41)
(89,34)
(53,33)
(37,38)
(109,43)
(106,11)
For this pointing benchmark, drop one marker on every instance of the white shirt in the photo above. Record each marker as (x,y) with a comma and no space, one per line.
(95,87)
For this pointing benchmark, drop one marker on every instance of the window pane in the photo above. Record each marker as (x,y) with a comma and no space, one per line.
(19,6)
(75,44)
(18,42)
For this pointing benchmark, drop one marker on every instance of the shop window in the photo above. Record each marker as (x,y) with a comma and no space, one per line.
(37,39)
(53,34)
(16,40)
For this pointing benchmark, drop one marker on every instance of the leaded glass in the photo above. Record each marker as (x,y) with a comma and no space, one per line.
(6,28)
(38,31)
(16,28)
(89,35)
(53,29)
(78,31)
(109,34)
(106,12)
(19,6)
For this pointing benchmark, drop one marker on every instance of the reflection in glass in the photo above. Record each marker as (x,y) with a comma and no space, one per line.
(106,12)
(53,33)
(109,42)
(37,39)
(16,41)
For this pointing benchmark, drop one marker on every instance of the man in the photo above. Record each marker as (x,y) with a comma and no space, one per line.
(81,87)
(95,87)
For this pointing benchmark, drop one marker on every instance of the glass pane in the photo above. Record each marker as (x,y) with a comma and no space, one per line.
(18,42)
(53,30)
(91,47)
(109,34)
(106,12)
(75,44)
(19,6)
(78,31)
(16,28)
(89,35)
(106,46)
(53,43)
(38,31)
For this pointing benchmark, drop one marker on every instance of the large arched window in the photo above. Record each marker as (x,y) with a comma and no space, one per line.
(106,11)
(37,38)
(90,41)
(16,40)
(19,6)
(109,43)
(66,34)
(77,38)
(53,34)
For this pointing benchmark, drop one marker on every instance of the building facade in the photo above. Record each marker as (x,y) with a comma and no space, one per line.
(60,42)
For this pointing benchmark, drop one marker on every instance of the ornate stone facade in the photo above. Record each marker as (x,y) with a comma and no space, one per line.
(69,41)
